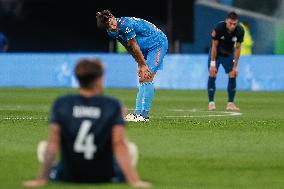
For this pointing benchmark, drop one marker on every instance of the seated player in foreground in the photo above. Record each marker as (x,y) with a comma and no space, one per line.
(88,130)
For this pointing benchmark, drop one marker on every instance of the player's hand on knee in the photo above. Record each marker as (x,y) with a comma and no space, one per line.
(213,71)
(144,72)
(235,72)
(141,78)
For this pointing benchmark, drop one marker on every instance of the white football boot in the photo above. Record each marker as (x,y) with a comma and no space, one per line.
(136,118)
(130,118)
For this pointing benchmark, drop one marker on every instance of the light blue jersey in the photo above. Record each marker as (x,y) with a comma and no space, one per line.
(152,41)
(147,35)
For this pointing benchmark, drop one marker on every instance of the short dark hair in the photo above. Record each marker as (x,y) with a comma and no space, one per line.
(233,15)
(87,71)
(103,18)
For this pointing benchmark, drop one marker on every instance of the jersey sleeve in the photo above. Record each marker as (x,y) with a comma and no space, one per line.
(240,35)
(127,30)
(118,116)
(54,114)
(5,40)
(216,33)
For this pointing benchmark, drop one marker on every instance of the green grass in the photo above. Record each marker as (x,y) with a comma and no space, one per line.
(245,151)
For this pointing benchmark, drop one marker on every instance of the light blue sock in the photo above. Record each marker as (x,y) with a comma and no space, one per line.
(147,98)
(138,109)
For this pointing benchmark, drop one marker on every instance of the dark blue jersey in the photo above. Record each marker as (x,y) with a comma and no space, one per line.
(3,42)
(86,136)
(227,40)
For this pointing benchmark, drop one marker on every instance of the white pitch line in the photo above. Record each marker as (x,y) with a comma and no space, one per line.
(219,113)
(24,118)
(24,108)
(191,116)
(210,113)
(183,110)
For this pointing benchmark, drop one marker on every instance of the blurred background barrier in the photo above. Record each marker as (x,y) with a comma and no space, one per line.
(266,31)
(256,72)
(29,26)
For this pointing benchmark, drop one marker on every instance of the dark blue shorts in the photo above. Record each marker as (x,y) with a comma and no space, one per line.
(118,175)
(56,174)
(226,61)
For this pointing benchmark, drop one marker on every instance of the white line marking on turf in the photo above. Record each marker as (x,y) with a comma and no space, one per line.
(24,118)
(210,113)
(24,108)
(206,113)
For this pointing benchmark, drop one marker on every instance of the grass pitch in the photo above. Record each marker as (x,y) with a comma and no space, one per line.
(183,145)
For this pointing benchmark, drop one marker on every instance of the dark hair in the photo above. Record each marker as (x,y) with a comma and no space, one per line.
(103,18)
(233,15)
(87,71)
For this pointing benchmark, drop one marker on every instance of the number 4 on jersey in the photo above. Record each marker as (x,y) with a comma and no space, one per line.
(85,141)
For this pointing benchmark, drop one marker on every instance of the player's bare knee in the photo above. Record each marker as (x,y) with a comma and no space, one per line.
(41,149)
(133,152)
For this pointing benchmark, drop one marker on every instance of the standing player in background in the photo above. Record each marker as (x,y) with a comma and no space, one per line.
(148,45)
(88,129)
(226,48)
(3,43)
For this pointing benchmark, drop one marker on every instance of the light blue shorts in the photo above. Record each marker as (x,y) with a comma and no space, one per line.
(154,57)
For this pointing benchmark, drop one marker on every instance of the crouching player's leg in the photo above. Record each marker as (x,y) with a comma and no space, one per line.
(213,67)
(232,88)
(232,83)
(154,59)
